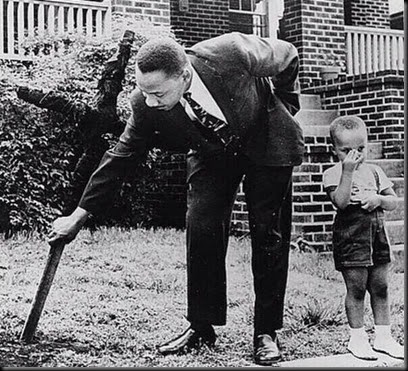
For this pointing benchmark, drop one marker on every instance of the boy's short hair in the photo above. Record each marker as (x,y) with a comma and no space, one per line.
(345,123)
(162,54)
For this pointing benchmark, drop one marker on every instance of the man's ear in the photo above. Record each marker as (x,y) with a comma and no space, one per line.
(186,74)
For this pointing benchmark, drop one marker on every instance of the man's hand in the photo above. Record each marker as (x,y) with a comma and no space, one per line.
(66,228)
(352,160)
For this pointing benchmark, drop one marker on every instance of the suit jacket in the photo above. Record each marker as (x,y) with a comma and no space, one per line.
(255,83)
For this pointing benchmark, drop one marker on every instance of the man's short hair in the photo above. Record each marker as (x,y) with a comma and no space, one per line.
(162,54)
(345,123)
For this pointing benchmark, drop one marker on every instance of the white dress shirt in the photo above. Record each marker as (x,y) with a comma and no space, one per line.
(202,96)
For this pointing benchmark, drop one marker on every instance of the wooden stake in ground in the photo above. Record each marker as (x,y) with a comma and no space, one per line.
(95,121)
(54,257)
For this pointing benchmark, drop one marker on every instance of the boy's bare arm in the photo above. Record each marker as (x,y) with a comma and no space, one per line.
(341,196)
(387,200)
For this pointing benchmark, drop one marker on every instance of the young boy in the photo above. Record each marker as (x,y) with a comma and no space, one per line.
(361,192)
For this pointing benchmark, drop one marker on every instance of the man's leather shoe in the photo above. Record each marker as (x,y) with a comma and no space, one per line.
(188,340)
(266,351)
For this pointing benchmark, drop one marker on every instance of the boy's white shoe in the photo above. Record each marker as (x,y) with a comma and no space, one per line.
(361,348)
(389,346)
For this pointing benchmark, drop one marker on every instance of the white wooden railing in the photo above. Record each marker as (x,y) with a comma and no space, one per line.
(373,49)
(21,18)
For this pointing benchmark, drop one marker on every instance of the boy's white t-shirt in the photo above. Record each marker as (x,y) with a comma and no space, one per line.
(364,180)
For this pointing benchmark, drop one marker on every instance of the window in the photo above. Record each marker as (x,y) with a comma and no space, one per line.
(259,17)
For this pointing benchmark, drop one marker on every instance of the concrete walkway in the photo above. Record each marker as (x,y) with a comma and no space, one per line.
(343,361)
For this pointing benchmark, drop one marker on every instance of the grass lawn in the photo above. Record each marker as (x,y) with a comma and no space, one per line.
(118,293)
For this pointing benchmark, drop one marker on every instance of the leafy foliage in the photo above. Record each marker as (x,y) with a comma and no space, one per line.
(39,148)
(36,150)
(329,58)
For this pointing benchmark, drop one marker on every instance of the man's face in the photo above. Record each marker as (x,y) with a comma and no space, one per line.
(161,91)
(349,140)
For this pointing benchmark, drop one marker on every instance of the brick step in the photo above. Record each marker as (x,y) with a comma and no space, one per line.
(398,213)
(315,130)
(316,117)
(321,129)
(393,168)
(310,101)
(399,186)
(396,231)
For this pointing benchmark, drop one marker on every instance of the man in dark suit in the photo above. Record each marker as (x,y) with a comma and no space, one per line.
(244,92)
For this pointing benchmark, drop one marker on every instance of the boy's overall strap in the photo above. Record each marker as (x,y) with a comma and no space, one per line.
(377,178)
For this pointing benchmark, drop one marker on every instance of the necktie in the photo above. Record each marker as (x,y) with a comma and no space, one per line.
(219,127)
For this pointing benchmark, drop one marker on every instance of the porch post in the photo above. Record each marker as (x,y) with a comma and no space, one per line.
(316,29)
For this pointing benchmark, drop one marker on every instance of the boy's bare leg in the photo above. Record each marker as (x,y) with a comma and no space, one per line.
(377,286)
(378,289)
(356,280)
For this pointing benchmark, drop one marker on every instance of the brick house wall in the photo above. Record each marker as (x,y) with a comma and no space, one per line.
(191,20)
(169,202)
(313,212)
(196,20)
(241,23)
(367,13)
(156,11)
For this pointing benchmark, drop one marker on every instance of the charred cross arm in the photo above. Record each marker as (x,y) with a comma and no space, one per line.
(91,122)
(100,117)
(110,84)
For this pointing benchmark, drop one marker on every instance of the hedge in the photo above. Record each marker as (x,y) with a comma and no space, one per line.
(40,148)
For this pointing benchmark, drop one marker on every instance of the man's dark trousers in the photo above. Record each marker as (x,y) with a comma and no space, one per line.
(212,188)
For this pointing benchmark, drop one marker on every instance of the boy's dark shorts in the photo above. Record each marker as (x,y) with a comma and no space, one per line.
(359,238)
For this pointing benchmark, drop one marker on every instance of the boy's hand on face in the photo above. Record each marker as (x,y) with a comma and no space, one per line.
(370,202)
(352,160)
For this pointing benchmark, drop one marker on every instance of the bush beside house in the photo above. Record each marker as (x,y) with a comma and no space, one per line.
(39,148)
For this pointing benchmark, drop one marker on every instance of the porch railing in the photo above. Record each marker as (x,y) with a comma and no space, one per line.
(21,18)
(372,50)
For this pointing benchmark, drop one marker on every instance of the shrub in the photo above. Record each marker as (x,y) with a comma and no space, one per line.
(314,312)
(35,153)
(39,148)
